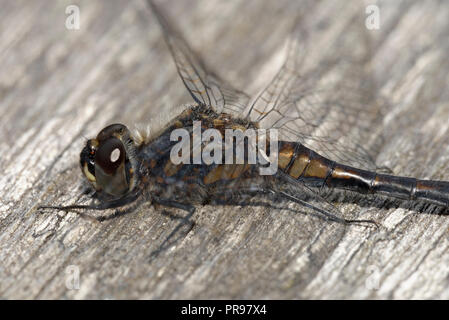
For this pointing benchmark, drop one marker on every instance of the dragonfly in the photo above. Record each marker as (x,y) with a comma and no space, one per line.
(124,165)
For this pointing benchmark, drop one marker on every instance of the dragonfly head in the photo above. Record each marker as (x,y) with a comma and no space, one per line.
(108,162)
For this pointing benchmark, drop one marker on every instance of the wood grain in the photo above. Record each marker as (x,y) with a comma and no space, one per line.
(60,86)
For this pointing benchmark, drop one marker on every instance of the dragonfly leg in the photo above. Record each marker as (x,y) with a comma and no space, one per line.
(322,206)
(329,215)
(327,210)
(104,205)
(185,221)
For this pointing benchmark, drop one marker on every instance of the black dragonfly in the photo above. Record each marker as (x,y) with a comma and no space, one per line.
(316,148)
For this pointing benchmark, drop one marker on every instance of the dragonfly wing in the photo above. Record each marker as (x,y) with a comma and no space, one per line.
(323,96)
(204,85)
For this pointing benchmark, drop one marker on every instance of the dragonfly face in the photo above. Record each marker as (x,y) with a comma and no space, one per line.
(107,161)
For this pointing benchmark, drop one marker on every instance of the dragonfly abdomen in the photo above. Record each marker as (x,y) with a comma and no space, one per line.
(304,164)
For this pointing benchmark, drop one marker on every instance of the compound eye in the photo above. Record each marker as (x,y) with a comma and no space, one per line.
(110,155)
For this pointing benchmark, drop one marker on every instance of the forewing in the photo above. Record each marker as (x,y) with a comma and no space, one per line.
(204,85)
(323,95)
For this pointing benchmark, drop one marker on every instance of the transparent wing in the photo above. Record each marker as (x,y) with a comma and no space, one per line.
(205,87)
(323,95)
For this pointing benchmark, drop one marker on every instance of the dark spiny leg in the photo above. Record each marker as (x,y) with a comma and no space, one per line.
(322,206)
(321,212)
(185,221)
(100,207)
(324,212)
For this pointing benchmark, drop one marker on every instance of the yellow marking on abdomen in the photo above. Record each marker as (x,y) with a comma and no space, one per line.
(339,173)
(285,155)
(316,169)
(298,166)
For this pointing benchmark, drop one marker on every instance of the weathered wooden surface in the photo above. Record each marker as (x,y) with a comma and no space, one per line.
(58,86)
